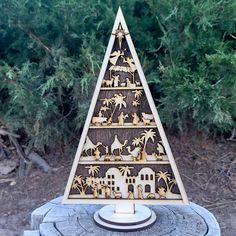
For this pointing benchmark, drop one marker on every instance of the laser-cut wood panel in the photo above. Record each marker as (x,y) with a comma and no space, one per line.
(123,153)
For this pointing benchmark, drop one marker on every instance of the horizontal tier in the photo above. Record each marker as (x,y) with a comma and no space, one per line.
(123,162)
(125,126)
(121,88)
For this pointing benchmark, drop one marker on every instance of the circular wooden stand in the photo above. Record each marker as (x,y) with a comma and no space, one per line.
(56,219)
(107,218)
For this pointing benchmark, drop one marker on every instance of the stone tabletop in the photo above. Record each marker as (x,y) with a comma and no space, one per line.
(56,219)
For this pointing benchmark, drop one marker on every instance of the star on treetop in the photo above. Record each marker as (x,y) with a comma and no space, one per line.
(120,33)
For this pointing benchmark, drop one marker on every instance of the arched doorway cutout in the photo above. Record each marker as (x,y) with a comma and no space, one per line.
(131,188)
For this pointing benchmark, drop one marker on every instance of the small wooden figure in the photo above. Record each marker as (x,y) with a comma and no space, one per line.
(88,145)
(142,154)
(135,119)
(109,121)
(162,192)
(160,149)
(128,82)
(130,62)
(121,118)
(97,154)
(134,153)
(151,196)
(117,194)
(107,155)
(107,158)
(130,195)
(147,118)
(118,158)
(116,80)
(98,120)
(107,192)
(139,157)
(108,83)
(140,191)
(115,55)
(145,121)
(95,191)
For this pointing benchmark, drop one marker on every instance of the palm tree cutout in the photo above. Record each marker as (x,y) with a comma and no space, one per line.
(165,176)
(107,102)
(146,135)
(137,142)
(172,183)
(137,95)
(135,153)
(118,101)
(105,109)
(93,170)
(169,182)
(125,170)
(79,184)
(135,103)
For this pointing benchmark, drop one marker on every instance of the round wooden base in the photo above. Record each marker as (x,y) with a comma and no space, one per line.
(55,218)
(108,219)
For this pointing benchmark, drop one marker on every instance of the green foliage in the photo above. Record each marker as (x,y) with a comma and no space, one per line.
(51,53)
(193,99)
(197,63)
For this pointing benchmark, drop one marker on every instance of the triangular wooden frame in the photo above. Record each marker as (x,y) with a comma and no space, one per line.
(120,20)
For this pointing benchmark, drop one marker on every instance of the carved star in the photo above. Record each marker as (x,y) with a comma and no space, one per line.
(120,34)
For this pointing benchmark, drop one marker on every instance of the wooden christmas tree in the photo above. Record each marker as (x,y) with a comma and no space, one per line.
(123,152)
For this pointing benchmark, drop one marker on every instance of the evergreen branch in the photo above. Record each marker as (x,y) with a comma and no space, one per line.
(65,116)
(35,38)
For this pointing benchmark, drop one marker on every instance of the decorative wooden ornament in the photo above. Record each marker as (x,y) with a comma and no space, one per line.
(123,154)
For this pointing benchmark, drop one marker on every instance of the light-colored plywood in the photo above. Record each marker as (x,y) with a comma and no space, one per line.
(92,152)
(125,126)
(121,88)
(83,161)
